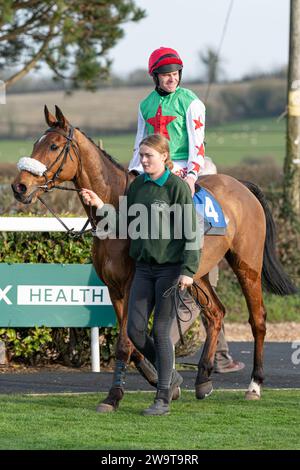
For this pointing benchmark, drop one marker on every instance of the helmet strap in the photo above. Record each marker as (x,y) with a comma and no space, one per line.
(155,79)
(180,75)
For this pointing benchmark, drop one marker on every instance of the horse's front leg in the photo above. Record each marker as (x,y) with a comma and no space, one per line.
(123,352)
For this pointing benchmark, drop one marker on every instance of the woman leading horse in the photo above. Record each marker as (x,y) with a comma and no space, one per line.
(64,153)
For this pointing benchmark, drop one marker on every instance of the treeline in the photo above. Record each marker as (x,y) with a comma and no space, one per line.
(139,77)
(256,95)
(265,97)
(260,98)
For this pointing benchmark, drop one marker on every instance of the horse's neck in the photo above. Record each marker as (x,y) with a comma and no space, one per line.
(100,174)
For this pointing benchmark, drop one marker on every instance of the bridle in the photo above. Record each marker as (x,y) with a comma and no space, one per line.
(62,158)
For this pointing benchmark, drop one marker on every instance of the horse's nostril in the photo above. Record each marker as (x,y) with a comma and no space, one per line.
(19,188)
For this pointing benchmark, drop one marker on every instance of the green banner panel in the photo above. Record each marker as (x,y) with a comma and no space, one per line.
(55,295)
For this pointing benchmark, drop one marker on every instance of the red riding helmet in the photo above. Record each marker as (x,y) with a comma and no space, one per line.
(164,60)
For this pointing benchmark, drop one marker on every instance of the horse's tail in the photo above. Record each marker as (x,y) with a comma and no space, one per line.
(274,277)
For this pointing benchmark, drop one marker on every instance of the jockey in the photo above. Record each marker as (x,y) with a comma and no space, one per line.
(175,112)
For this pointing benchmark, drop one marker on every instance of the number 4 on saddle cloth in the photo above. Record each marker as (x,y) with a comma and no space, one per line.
(207,206)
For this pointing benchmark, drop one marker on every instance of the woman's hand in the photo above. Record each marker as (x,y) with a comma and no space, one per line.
(90,198)
(184,281)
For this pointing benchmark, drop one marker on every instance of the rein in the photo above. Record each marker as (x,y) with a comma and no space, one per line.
(178,299)
(70,231)
(65,152)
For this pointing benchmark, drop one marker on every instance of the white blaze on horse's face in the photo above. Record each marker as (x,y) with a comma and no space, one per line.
(41,138)
(32,165)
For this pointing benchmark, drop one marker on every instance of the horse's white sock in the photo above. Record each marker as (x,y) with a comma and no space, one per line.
(254,387)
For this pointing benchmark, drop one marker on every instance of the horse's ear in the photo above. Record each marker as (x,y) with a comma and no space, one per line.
(62,121)
(50,119)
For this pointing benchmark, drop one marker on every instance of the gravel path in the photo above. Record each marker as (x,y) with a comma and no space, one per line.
(275,332)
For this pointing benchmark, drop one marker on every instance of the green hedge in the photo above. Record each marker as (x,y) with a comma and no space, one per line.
(70,346)
(33,247)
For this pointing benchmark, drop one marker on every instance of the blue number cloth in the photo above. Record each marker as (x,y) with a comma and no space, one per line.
(207,204)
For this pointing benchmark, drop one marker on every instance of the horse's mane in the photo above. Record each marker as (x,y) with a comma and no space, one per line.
(100,150)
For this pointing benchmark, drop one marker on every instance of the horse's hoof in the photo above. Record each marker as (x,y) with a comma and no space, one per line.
(203,390)
(253,392)
(176,393)
(250,395)
(105,408)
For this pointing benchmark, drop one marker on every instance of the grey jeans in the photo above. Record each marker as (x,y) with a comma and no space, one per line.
(149,284)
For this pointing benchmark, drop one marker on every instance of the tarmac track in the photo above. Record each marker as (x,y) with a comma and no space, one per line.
(281,371)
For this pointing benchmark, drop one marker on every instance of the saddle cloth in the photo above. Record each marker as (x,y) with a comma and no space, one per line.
(207,206)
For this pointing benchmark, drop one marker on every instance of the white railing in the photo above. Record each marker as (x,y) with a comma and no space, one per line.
(40,224)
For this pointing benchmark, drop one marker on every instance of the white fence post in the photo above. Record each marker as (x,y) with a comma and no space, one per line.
(95,349)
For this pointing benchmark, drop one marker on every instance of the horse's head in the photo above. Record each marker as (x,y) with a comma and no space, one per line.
(54,159)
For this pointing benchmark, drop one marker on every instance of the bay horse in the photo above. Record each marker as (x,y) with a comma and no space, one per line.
(65,153)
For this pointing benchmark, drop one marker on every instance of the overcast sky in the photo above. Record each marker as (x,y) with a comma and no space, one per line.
(256,37)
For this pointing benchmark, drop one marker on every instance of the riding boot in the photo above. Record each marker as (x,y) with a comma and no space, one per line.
(161,404)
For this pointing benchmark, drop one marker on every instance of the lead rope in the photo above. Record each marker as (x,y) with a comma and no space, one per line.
(70,231)
(90,219)
(175,292)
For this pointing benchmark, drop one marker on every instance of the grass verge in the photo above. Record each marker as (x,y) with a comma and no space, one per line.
(223,421)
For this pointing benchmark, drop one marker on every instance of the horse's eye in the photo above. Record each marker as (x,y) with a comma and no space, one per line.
(53,147)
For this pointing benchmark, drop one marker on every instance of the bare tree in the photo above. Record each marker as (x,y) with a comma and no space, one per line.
(211,63)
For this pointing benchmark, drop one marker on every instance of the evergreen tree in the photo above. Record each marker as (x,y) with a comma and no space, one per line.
(73,37)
